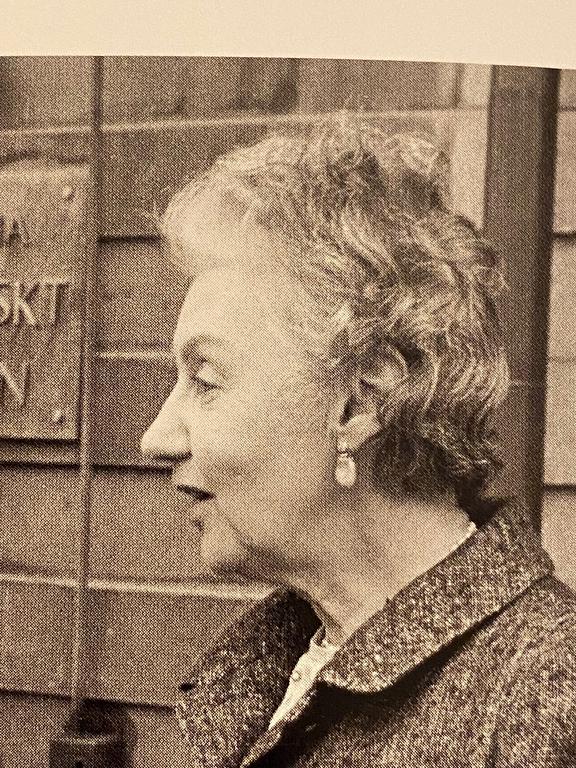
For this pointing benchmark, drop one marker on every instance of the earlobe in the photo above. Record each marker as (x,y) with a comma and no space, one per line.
(358,429)
(345,472)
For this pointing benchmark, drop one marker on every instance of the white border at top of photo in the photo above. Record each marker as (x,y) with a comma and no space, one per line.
(524,32)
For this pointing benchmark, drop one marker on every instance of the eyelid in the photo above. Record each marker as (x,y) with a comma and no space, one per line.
(191,361)
(210,379)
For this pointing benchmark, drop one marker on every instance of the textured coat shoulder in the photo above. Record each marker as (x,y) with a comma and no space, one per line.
(537,712)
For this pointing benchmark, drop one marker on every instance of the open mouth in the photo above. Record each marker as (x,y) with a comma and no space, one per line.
(196,493)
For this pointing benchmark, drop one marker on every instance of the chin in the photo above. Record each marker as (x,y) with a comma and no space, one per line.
(228,561)
(223,560)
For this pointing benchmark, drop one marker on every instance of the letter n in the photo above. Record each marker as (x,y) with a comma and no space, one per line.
(17,386)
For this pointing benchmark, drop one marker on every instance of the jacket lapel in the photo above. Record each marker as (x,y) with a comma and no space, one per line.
(237,688)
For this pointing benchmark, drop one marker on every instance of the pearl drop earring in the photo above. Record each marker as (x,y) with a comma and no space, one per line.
(345,472)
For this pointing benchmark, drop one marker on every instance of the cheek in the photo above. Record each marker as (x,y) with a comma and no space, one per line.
(273,436)
(223,445)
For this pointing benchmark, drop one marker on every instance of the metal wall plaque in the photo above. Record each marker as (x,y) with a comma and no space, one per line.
(45,231)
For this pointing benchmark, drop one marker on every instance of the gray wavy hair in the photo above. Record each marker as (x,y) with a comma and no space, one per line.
(402,279)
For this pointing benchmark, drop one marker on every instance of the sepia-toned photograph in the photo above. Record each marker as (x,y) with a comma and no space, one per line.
(287,413)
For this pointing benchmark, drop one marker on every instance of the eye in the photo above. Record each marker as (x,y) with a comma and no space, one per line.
(206,379)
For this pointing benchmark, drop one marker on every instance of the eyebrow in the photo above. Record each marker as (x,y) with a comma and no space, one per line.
(190,347)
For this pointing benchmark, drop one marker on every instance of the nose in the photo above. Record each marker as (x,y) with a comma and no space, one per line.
(166,438)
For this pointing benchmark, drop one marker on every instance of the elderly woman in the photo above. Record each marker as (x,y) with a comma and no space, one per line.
(339,362)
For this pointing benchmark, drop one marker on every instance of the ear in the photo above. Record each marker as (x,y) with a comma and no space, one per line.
(354,418)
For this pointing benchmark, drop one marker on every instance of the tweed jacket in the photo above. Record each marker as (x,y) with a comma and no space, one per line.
(472,664)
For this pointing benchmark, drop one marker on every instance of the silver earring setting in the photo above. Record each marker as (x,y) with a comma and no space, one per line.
(345,472)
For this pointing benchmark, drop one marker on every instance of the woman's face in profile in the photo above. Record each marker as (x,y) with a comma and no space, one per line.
(246,423)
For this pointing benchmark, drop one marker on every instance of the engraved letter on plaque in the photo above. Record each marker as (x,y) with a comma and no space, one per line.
(43,242)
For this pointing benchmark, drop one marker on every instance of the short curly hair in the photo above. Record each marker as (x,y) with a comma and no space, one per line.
(402,278)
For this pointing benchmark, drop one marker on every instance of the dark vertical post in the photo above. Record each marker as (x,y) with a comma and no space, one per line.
(80,648)
(518,219)
(87,739)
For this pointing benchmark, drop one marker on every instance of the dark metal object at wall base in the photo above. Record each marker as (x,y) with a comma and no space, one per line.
(95,735)
(72,749)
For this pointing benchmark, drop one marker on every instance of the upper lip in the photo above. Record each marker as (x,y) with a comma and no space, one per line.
(191,490)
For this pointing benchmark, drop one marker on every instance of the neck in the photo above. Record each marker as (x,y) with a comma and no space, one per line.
(371,547)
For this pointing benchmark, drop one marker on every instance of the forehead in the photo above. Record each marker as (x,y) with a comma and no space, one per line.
(222,302)
(241,289)
(214,232)
(234,295)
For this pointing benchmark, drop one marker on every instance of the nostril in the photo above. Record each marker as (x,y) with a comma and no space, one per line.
(164,441)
